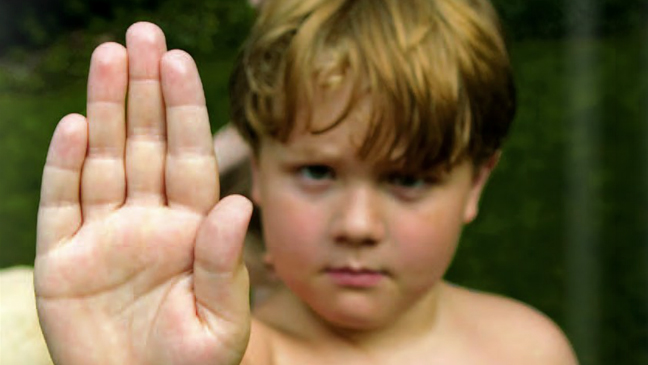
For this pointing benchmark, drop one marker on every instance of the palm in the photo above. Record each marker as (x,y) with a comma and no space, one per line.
(122,249)
(134,263)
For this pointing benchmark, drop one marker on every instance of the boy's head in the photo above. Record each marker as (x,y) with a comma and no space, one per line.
(372,122)
(436,71)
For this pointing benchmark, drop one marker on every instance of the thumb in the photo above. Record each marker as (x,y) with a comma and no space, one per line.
(221,282)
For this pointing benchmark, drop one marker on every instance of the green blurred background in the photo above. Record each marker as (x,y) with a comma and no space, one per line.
(564,220)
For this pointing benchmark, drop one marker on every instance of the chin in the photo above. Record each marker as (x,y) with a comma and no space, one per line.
(355,324)
(355,313)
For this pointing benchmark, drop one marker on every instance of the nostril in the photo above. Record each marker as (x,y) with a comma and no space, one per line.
(356,241)
(359,231)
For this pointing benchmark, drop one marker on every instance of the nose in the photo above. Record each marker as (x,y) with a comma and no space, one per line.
(359,220)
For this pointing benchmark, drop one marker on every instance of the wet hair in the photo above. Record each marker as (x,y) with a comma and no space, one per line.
(437,73)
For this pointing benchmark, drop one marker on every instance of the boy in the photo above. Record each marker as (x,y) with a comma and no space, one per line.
(374,126)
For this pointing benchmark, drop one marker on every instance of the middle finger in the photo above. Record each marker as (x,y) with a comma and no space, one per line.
(146,131)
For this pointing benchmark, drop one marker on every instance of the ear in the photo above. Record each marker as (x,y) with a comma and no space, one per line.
(255,193)
(480,178)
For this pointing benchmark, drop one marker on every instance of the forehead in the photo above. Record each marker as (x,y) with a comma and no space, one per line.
(335,123)
(339,108)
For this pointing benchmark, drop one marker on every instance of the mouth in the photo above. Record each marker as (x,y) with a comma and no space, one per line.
(359,278)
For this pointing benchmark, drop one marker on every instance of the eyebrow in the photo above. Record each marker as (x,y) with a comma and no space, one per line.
(314,151)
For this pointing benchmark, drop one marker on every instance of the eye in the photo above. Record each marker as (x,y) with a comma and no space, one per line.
(410,186)
(407,181)
(316,172)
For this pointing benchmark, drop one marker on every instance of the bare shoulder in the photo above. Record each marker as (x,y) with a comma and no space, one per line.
(511,329)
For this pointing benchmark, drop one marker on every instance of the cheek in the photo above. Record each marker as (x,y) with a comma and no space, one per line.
(427,243)
(292,229)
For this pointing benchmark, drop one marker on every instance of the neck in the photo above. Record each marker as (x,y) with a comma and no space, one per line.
(417,323)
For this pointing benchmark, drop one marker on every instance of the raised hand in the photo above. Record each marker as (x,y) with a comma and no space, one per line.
(136,262)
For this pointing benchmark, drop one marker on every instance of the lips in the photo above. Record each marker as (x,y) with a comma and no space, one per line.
(360,278)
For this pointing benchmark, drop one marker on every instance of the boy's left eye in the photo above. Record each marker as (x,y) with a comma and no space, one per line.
(316,172)
(406,181)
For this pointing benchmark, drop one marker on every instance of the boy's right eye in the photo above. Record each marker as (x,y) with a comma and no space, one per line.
(316,172)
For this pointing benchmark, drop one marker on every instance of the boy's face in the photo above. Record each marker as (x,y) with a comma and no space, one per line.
(359,243)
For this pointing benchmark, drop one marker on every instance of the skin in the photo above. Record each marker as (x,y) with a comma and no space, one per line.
(325,207)
(139,263)
(135,263)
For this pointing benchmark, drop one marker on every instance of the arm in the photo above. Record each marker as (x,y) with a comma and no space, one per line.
(231,149)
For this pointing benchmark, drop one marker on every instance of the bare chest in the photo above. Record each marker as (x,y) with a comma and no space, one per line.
(286,352)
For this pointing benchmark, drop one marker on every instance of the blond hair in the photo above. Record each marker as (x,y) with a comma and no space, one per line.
(437,72)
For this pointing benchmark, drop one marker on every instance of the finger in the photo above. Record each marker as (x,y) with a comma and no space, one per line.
(220,277)
(146,141)
(191,169)
(59,213)
(103,179)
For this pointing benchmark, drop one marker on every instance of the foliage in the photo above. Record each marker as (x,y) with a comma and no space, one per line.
(57,50)
(553,19)
(38,23)
(517,247)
